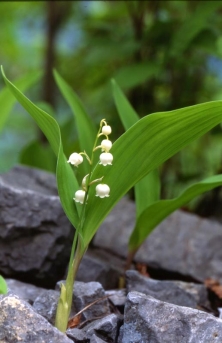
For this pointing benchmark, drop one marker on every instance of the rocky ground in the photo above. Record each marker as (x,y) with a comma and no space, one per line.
(177,300)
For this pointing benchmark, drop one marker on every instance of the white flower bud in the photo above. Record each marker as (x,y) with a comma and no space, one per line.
(79,196)
(106,158)
(102,190)
(75,159)
(106,130)
(106,145)
(84,181)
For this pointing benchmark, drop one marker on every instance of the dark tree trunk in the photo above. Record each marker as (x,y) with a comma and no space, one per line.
(57,12)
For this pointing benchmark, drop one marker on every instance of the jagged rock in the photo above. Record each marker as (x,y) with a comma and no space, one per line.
(78,336)
(85,294)
(150,320)
(101,266)
(24,291)
(46,304)
(178,293)
(20,323)
(117,297)
(198,291)
(114,233)
(35,235)
(182,243)
(106,328)
(96,339)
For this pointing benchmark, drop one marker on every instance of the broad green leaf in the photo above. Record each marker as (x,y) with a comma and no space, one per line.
(7,100)
(142,148)
(146,190)
(86,129)
(66,180)
(3,286)
(194,24)
(161,209)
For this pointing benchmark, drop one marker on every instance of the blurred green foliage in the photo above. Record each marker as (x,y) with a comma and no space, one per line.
(164,55)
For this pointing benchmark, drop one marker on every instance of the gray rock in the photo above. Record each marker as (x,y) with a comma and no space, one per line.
(85,294)
(182,243)
(150,320)
(117,296)
(178,293)
(101,266)
(35,235)
(24,290)
(78,336)
(120,336)
(96,339)
(46,305)
(198,291)
(119,223)
(20,323)
(106,328)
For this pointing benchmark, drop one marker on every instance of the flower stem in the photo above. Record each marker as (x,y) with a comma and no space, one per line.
(77,252)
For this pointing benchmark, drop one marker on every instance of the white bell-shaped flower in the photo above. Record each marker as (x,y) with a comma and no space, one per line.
(106,130)
(79,196)
(102,190)
(75,159)
(106,145)
(106,158)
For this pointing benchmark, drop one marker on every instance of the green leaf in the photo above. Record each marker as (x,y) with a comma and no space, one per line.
(142,148)
(158,211)
(85,127)
(194,24)
(3,286)
(7,100)
(126,112)
(66,180)
(146,190)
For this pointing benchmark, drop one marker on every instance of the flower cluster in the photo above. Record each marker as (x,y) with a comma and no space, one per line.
(106,158)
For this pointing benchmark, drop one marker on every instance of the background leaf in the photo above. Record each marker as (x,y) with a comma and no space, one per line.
(135,74)
(37,154)
(193,25)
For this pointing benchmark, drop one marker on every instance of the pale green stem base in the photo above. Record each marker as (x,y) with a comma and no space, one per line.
(66,295)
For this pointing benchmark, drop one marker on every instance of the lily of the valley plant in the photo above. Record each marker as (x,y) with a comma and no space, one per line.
(147,143)
(102,190)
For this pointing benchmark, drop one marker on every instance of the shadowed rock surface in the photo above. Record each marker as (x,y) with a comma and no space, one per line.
(24,291)
(106,328)
(102,266)
(178,293)
(35,235)
(46,305)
